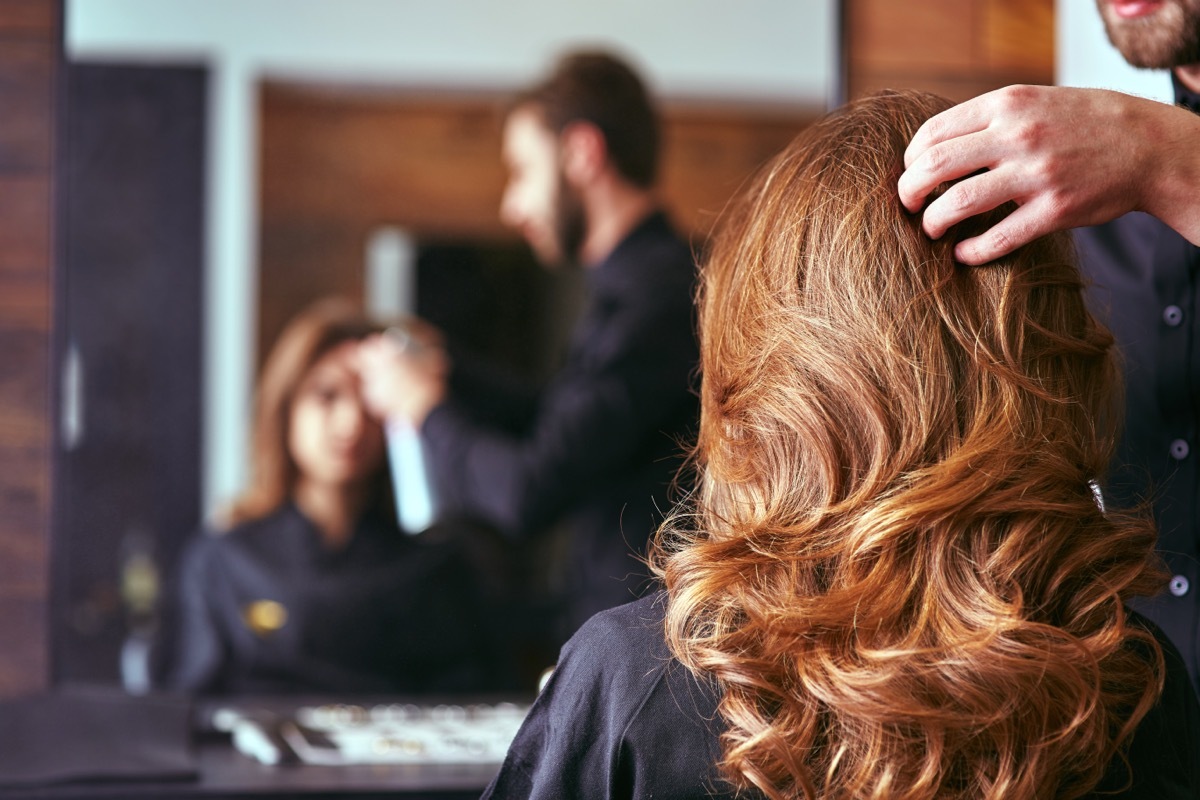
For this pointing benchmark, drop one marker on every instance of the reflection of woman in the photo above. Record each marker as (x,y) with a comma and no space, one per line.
(313,587)
(895,579)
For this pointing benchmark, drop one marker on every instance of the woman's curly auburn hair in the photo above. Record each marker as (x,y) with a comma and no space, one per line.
(894,566)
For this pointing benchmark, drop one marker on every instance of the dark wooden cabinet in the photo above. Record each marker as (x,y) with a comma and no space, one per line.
(127,460)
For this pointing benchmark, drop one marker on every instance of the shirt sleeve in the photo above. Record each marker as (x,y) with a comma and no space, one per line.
(491,394)
(606,412)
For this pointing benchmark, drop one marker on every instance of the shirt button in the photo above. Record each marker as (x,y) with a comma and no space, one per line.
(1179,449)
(1173,315)
(1179,586)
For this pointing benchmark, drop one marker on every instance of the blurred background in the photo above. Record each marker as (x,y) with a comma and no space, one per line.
(177,179)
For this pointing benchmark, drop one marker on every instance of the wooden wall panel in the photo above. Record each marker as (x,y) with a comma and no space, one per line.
(1019,37)
(884,32)
(337,162)
(24,226)
(26,73)
(30,50)
(957,48)
(35,18)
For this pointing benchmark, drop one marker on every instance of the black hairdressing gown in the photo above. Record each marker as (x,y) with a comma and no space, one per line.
(266,608)
(621,719)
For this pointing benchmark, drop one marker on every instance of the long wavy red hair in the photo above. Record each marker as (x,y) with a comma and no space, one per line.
(894,565)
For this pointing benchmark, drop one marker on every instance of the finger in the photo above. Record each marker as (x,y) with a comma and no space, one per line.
(945,162)
(941,149)
(968,117)
(969,197)
(1016,230)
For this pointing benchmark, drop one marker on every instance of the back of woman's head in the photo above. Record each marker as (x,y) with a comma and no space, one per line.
(309,335)
(895,565)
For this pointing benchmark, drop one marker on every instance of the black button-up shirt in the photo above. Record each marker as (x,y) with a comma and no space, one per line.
(1145,287)
(598,448)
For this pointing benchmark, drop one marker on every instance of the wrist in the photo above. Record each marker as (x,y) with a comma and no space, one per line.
(1172,192)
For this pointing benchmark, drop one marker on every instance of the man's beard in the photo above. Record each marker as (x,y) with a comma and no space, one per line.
(1164,39)
(570,223)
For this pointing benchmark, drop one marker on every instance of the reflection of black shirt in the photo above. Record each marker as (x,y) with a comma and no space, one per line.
(621,719)
(1146,289)
(599,446)
(387,614)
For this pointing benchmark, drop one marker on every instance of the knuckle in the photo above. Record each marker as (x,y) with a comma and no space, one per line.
(999,242)
(935,128)
(1017,96)
(1029,133)
(961,197)
(933,221)
(936,159)
(1057,208)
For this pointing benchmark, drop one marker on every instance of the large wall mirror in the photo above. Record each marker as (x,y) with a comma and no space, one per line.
(229,161)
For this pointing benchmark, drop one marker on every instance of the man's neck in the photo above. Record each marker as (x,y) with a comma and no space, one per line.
(1189,76)
(612,214)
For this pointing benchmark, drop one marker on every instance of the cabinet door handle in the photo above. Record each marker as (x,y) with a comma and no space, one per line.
(71,427)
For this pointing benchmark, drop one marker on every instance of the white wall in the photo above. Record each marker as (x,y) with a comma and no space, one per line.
(762,49)
(1084,56)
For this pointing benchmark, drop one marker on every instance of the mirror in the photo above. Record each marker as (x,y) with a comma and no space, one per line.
(228,161)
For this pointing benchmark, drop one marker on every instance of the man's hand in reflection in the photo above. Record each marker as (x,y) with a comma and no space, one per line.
(403,373)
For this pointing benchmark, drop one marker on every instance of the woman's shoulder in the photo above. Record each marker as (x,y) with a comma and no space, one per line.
(633,633)
(1162,761)
(220,538)
(619,717)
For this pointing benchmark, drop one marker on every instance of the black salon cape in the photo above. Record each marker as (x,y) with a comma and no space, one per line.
(1145,286)
(620,719)
(596,450)
(386,615)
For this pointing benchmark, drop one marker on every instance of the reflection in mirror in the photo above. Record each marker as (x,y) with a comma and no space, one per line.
(307,584)
(230,162)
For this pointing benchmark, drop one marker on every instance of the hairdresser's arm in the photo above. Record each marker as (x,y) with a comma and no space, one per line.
(1068,157)
(401,383)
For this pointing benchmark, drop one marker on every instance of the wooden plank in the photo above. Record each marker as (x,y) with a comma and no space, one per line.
(885,34)
(25,218)
(23,495)
(955,87)
(426,165)
(1018,37)
(956,48)
(24,658)
(707,158)
(30,43)
(25,301)
(26,97)
(33,18)
(24,386)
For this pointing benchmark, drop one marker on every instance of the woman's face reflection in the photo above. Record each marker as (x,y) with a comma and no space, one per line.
(331,437)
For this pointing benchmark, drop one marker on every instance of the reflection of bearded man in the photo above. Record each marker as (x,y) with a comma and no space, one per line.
(1154,34)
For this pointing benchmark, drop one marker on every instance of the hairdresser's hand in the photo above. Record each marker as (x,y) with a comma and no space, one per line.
(1067,157)
(402,381)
